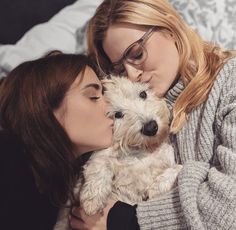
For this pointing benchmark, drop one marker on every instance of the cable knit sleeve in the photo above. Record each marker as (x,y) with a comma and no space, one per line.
(206,194)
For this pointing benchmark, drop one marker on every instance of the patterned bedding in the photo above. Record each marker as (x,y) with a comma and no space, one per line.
(215,20)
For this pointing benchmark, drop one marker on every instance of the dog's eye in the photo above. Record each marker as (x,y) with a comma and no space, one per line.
(143,95)
(119,114)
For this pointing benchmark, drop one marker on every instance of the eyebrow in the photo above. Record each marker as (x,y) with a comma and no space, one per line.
(93,85)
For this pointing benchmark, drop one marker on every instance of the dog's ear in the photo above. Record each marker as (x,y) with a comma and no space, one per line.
(112,89)
(164,110)
(106,80)
(110,83)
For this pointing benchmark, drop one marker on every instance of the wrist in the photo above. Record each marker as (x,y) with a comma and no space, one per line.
(122,216)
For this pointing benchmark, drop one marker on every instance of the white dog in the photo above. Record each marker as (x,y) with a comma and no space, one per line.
(140,164)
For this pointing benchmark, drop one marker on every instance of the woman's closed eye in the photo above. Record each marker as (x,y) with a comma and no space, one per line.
(94,94)
(94,98)
(97,95)
(136,55)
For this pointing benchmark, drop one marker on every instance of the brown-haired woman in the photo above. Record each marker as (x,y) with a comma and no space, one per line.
(52,111)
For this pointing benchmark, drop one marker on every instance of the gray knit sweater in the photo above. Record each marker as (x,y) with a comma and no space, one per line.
(206,146)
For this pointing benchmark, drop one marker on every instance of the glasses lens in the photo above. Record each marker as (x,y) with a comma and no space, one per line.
(136,54)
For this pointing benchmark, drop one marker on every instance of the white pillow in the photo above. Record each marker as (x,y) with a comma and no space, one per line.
(58,33)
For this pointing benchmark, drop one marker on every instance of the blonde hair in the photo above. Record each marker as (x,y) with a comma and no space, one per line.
(200,61)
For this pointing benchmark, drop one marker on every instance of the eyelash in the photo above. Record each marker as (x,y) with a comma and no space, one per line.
(94,98)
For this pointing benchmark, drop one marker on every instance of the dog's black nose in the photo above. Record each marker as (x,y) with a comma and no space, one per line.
(150,128)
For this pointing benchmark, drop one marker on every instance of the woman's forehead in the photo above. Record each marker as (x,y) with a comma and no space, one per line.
(88,76)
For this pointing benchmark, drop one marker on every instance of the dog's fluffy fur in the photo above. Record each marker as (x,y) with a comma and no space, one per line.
(140,164)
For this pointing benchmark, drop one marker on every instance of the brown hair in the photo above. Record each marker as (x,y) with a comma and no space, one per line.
(28,97)
(200,61)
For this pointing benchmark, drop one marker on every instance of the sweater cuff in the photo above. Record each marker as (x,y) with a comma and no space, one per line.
(162,213)
(122,216)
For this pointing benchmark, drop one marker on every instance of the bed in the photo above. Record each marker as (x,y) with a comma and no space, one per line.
(215,20)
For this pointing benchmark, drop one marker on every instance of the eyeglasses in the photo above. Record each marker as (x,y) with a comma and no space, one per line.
(135,54)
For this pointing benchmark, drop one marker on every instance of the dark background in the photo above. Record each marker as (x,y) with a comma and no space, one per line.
(18,16)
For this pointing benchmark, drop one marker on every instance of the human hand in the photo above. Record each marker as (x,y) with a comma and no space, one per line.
(79,220)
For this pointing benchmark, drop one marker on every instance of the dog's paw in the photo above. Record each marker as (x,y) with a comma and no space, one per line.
(178,168)
(165,182)
(92,206)
(91,201)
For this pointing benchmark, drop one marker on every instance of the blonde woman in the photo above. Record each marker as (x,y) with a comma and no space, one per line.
(147,41)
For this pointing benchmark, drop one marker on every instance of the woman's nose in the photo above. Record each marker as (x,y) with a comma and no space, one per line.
(134,74)
(104,104)
(105,108)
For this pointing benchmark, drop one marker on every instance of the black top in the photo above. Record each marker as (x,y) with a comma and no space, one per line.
(22,205)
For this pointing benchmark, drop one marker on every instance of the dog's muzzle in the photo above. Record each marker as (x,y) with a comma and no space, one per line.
(150,128)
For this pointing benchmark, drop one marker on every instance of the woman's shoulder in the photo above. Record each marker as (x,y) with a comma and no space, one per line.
(11,149)
(229,67)
(232,61)
(225,84)
(13,162)
(19,191)
(227,74)
(7,137)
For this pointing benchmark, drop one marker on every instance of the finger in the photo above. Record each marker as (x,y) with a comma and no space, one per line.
(76,223)
(76,213)
(83,214)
